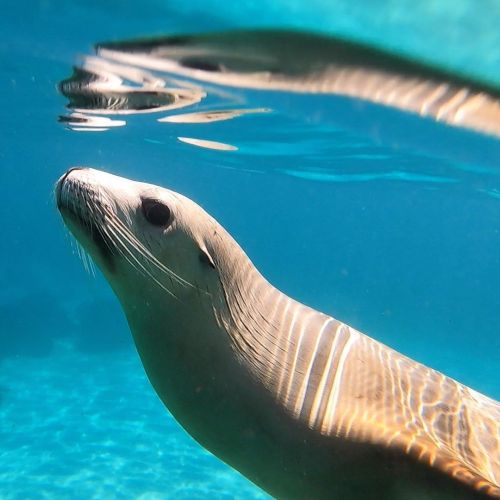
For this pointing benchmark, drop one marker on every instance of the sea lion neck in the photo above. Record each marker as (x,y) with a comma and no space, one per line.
(259,319)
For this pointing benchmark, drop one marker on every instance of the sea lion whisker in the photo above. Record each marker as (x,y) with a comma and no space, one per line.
(148,255)
(78,248)
(135,262)
(84,257)
(139,246)
(98,221)
(90,263)
(128,255)
(124,237)
(72,200)
(117,245)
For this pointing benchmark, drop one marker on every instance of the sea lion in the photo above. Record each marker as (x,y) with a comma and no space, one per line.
(300,403)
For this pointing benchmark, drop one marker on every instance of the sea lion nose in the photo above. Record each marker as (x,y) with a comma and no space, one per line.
(61,181)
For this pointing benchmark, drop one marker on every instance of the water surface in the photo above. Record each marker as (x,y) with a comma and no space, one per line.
(386,220)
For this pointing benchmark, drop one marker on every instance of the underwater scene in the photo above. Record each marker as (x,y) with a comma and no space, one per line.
(352,150)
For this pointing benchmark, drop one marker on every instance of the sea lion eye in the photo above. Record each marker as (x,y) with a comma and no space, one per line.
(195,63)
(156,212)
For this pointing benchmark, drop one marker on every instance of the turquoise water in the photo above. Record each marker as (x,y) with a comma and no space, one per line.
(387,221)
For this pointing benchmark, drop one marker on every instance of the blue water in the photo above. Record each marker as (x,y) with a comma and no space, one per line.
(395,232)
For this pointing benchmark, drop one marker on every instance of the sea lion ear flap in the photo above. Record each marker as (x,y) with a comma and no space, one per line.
(205,257)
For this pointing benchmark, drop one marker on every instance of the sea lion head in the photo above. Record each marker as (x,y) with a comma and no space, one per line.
(147,240)
(173,269)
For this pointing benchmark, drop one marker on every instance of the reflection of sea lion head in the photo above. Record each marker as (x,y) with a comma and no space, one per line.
(304,62)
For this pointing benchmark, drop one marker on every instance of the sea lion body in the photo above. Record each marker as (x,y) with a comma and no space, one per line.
(300,403)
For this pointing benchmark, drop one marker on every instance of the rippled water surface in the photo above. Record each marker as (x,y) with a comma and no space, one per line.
(382,218)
